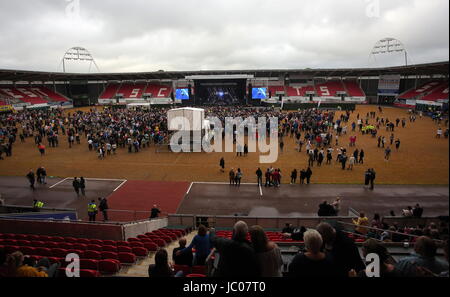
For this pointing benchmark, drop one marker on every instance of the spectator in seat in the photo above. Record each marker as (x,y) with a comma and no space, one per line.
(287,230)
(267,253)
(360,223)
(202,246)
(387,269)
(237,257)
(417,211)
(343,250)
(18,266)
(162,268)
(326,210)
(313,262)
(424,257)
(183,258)
(154,212)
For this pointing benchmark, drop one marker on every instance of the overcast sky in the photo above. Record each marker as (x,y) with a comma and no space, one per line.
(148,35)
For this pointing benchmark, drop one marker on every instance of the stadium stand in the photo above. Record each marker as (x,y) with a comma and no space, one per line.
(329,89)
(33,95)
(416,93)
(132,91)
(438,93)
(353,89)
(299,91)
(158,91)
(110,91)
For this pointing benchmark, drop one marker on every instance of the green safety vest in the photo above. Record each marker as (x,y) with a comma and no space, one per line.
(92,207)
(39,204)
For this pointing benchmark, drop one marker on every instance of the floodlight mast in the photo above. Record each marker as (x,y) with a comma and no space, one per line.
(78,54)
(389,45)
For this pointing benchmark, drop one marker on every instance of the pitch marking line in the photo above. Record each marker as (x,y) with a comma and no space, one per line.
(119,185)
(54,185)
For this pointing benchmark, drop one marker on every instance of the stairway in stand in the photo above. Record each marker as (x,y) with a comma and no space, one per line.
(140,269)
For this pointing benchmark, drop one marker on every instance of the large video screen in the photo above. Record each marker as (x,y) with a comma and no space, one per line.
(182,94)
(259,93)
(220,92)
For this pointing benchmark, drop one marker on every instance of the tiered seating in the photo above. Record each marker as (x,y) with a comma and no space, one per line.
(110,91)
(353,89)
(103,256)
(299,91)
(416,92)
(159,91)
(33,95)
(45,92)
(132,91)
(274,89)
(329,89)
(439,93)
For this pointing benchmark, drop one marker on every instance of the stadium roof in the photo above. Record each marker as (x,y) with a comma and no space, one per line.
(439,68)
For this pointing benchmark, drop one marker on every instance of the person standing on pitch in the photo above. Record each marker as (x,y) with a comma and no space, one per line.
(82,184)
(222,165)
(76,186)
(92,211)
(294,176)
(231,174)
(372,178)
(31,178)
(103,207)
(259,176)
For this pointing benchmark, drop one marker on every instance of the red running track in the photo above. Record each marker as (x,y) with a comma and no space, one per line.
(142,195)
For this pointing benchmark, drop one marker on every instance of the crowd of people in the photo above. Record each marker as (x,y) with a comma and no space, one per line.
(327,252)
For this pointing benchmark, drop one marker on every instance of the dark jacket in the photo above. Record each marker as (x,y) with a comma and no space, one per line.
(237,258)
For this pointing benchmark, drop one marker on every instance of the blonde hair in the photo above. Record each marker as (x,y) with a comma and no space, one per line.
(313,241)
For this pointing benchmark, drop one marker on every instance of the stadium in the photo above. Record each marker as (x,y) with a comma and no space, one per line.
(93,184)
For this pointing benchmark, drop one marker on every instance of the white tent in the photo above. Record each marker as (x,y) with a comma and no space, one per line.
(187,119)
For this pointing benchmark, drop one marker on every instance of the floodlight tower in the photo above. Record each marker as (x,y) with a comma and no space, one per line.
(389,45)
(78,54)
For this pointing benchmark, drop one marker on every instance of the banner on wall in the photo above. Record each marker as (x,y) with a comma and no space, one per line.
(389,85)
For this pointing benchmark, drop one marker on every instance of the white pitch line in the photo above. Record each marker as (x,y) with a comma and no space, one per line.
(260,190)
(221,183)
(119,185)
(189,188)
(54,185)
(107,179)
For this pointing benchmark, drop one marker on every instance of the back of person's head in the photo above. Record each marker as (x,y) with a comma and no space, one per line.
(258,238)
(327,231)
(426,247)
(202,230)
(376,216)
(371,246)
(362,215)
(14,260)
(161,258)
(240,230)
(182,242)
(313,241)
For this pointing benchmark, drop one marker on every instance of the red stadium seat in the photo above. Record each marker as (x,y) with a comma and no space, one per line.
(89,273)
(80,246)
(42,251)
(140,251)
(90,264)
(80,253)
(20,237)
(109,255)
(94,247)
(151,246)
(108,266)
(32,237)
(109,242)
(122,243)
(62,253)
(57,239)
(199,269)
(67,246)
(44,238)
(96,241)
(9,241)
(9,236)
(185,268)
(70,239)
(51,244)
(127,258)
(160,242)
(167,239)
(38,244)
(22,242)
(132,239)
(92,255)
(83,241)
(54,260)
(136,244)
(124,249)
(27,250)
(142,237)
(109,248)
(195,275)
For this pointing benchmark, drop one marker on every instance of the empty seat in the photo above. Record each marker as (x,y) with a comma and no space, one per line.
(195,275)
(83,241)
(109,248)
(70,239)
(57,239)
(167,239)
(80,253)
(20,237)
(51,244)
(42,251)
(80,246)
(38,243)
(136,244)
(173,236)
(44,238)
(142,237)
(185,268)
(96,241)
(58,252)
(109,255)
(108,266)
(132,239)
(89,264)
(94,247)
(9,241)
(159,242)
(89,273)
(67,246)
(22,242)
(92,255)
(127,258)
(199,269)
(151,246)
(140,251)
(122,243)
(32,237)
(9,236)
(54,260)
(124,249)
(27,250)
(109,242)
